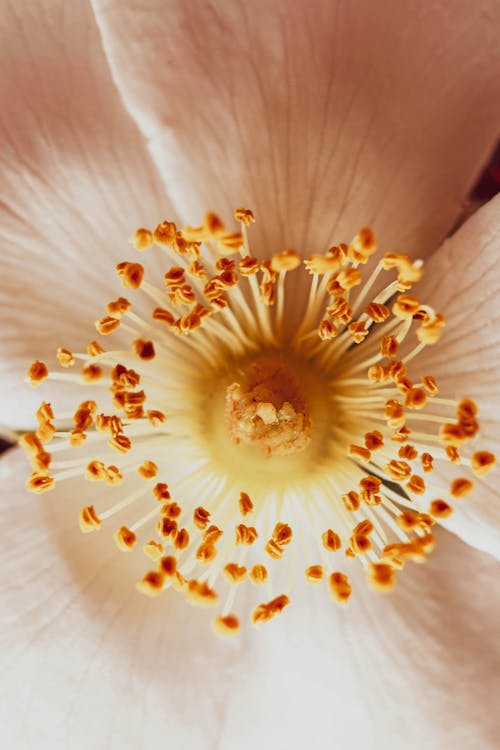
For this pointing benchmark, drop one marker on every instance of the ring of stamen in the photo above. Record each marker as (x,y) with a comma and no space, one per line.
(241,446)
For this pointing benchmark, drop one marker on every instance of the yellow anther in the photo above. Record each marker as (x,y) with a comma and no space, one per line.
(430,333)
(125,539)
(91,373)
(200,594)
(258,574)
(165,234)
(226,625)
(148,470)
(358,331)
(153,550)
(314,574)
(440,509)
(416,485)
(374,440)
(120,443)
(94,349)
(327,330)
(201,517)
(339,587)
(362,246)
(39,483)
(430,385)
(321,264)
(351,501)
(265,612)
(381,577)
(181,540)
(389,346)
(151,584)
(427,461)
(340,311)
(288,260)
(142,239)
(37,373)
(406,306)
(244,215)
(144,349)
(205,553)
(248,266)
(483,462)
(331,540)
(398,470)
(246,534)
(65,357)
(89,520)
(359,452)
(408,452)
(377,312)
(107,325)
(131,274)
(235,573)
(460,487)
(245,503)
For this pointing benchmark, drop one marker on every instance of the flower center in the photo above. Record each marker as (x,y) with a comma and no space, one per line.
(262,437)
(269,409)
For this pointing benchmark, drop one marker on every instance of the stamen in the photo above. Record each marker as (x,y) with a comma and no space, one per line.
(260,440)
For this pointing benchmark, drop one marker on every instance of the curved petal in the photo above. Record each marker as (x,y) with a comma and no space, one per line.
(320,117)
(76,181)
(414,669)
(463,281)
(87,662)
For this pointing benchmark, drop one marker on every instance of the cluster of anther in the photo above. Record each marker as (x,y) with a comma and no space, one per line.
(267,408)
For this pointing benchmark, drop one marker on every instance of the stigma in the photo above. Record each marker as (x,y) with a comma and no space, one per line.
(248,430)
(269,409)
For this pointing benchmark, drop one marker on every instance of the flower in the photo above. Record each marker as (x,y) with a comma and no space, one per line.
(86,623)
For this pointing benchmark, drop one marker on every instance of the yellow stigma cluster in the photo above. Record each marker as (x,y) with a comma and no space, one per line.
(244,432)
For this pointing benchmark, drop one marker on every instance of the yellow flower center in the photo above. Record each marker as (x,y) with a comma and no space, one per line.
(269,408)
(285,425)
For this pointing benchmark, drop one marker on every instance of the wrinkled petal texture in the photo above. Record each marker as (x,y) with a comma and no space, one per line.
(320,116)
(463,281)
(88,662)
(76,181)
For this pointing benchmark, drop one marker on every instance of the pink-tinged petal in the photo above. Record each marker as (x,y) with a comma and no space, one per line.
(88,662)
(77,179)
(463,281)
(321,117)
(416,668)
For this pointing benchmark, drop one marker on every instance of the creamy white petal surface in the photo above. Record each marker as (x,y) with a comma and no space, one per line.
(76,181)
(415,669)
(462,280)
(87,662)
(320,116)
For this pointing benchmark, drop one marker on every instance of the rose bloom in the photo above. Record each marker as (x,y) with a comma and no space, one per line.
(270,410)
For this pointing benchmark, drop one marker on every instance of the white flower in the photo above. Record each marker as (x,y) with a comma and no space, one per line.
(319,120)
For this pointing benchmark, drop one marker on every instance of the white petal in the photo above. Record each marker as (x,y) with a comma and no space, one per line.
(76,181)
(321,117)
(87,662)
(463,281)
(409,670)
